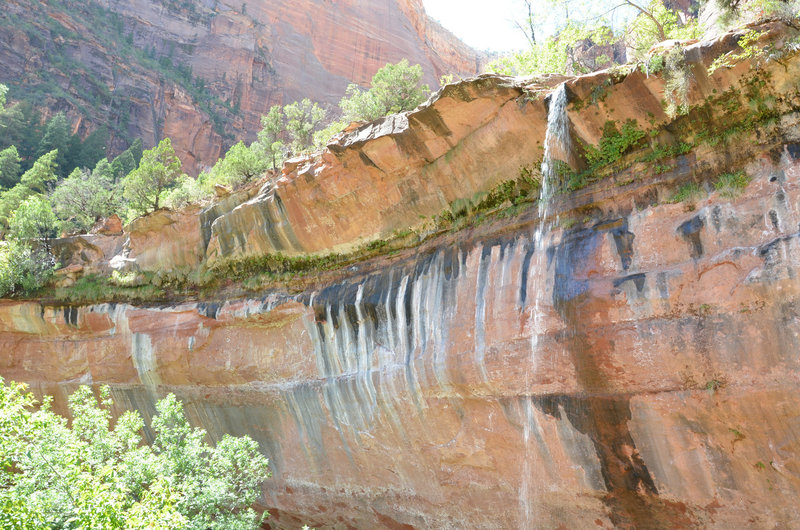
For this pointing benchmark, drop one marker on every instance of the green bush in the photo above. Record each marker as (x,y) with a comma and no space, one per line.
(731,185)
(690,191)
(23,269)
(90,475)
(34,219)
(614,143)
(394,88)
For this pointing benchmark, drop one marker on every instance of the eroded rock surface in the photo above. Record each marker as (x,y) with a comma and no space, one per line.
(249,55)
(637,368)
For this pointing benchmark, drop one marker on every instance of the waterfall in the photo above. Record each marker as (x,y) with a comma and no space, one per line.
(557,145)
(557,148)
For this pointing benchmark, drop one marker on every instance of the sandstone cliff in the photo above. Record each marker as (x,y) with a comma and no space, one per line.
(203,73)
(634,365)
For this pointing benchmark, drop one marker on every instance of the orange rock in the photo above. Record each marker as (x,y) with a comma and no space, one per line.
(110,226)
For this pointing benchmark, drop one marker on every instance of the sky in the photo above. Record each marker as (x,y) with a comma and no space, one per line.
(483,24)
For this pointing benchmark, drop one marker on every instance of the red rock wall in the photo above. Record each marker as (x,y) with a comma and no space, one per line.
(636,367)
(641,371)
(272,53)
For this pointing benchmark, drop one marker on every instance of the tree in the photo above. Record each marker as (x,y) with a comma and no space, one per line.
(241,163)
(527,25)
(19,126)
(36,180)
(136,150)
(34,219)
(86,196)
(122,165)
(23,269)
(157,171)
(9,167)
(93,148)
(42,175)
(394,88)
(93,475)
(3,92)
(302,119)
(269,144)
(56,137)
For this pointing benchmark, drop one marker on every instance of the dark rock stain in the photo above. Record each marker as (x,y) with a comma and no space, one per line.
(600,412)
(773,218)
(690,231)
(637,279)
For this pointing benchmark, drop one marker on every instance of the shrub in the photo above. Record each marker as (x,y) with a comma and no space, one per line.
(86,196)
(23,269)
(158,170)
(688,192)
(731,185)
(34,219)
(90,475)
(614,143)
(394,88)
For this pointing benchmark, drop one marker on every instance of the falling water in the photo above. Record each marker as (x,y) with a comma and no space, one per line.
(557,147)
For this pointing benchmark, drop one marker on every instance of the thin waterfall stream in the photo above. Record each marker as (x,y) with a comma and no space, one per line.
(557,148)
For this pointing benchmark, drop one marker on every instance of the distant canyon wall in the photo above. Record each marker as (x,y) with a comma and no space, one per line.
(104,56)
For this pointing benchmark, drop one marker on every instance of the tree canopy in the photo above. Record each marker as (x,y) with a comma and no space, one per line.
(158,169)
(88,473)
(394,88)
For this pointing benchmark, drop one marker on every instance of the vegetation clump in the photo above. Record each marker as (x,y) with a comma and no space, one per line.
(690,191)
(88,473)
(731,185)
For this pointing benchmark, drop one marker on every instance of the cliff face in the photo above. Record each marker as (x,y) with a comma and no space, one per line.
(204,74)
(630,362)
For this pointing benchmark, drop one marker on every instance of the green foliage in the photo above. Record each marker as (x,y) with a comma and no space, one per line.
(23,270)
(554,54)
(269,145)
(42,175)
(3,92)
(34,219)
(9,167)
(92,475)
(736,12)
(92,149)
(731,185)
(614,143)
(750,50)
(690,191)
(240,163)
(324,136)
(36,180)
(394,88)
(303,118)
(86,196)
(658,24)
(57,137)
(677,78)
(158,170)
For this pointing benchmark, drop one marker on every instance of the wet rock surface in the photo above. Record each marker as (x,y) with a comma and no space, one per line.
(636,367)
(661,394)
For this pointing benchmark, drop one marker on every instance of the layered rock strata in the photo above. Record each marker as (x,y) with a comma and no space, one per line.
(242,56)
(636,368)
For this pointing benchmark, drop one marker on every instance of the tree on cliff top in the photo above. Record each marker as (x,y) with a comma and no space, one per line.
(158,170)
(394,88)
(303,118)
(269,144)
(90,475)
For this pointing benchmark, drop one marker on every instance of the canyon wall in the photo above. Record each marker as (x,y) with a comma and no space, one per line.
(631,361)
(204,74)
